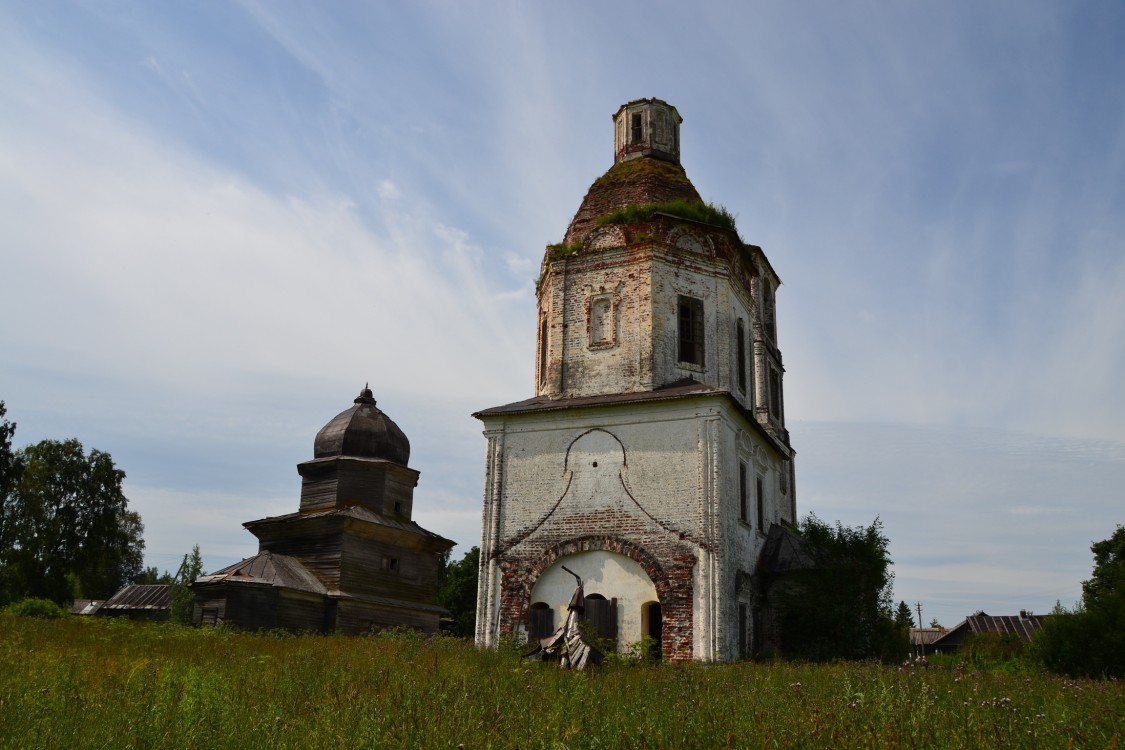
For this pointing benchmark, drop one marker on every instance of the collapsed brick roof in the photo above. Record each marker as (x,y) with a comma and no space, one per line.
(633,182)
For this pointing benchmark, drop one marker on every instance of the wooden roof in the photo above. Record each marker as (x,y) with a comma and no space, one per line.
(267,569)
(1021,626)
(138,596)
(353,512)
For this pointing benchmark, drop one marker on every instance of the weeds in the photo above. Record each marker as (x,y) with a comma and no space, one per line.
(706,213)
(89,682)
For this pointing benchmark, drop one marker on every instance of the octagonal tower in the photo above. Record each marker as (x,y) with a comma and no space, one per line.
(653,457)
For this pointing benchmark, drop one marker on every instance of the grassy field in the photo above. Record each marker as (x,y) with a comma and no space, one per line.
(76,683)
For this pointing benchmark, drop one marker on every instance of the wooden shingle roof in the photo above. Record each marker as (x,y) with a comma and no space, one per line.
(138,596)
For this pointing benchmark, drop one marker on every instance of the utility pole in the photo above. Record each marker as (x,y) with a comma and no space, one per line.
(918,606)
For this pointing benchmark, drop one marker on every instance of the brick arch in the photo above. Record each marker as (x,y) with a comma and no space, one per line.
(602,543)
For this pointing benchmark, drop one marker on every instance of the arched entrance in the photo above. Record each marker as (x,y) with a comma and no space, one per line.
(617,591)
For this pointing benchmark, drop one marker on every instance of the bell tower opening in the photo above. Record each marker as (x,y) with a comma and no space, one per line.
(647,127)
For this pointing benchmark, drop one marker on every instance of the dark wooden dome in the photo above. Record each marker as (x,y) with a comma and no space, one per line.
(363,431)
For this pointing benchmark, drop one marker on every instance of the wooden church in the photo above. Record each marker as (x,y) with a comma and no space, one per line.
(350,559)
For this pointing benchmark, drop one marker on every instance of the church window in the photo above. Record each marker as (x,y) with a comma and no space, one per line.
(740,350)
(768,311)
(390,564)
(775,394)
(543,352)
(760,496)
(540,621)
(742,491)
(691,330)
(601,321)
(637,128)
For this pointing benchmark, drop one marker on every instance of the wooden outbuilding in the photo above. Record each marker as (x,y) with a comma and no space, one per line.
(1021,627)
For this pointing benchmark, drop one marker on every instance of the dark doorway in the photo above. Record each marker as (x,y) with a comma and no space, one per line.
(743,641)
(601,613)
(652,623)
(540,621)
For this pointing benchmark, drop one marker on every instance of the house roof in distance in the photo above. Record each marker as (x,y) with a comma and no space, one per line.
(138,596)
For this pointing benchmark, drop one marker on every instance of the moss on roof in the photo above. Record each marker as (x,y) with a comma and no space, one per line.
(705,213)
(632,170)
(627,183)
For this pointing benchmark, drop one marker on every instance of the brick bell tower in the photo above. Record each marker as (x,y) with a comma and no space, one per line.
(653,458)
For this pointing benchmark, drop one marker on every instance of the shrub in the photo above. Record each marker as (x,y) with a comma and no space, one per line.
(44,609)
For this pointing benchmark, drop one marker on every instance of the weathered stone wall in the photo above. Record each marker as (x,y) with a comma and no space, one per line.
(655,481)
(635,278)
(652,482)
(620,361)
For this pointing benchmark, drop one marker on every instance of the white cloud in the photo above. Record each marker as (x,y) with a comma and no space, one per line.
(216,241)
(388,190)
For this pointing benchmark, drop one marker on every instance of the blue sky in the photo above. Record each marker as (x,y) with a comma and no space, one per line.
(218,220)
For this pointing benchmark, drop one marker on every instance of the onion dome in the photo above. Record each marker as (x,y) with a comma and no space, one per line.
(646,166)
(363,431)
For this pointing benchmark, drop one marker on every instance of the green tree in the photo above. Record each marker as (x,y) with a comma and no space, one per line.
(67,528)
(903,618)
(1106,587)
(840,606)
(11,467)
(457,591)
(181,599)
(152,574)
(1090,641)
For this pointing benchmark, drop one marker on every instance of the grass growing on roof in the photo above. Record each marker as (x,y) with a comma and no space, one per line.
(705,213)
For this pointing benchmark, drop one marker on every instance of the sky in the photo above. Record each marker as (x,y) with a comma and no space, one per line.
(219,220)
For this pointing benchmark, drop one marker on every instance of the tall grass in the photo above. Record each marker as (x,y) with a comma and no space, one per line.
(706,213)
(110,683)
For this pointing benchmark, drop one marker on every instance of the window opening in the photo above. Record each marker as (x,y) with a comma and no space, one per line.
(768,311)
(775,393)
(741,353)
(390,563)
(759,492)
(543,352)
(638,130)
(691,330)
(742,491)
